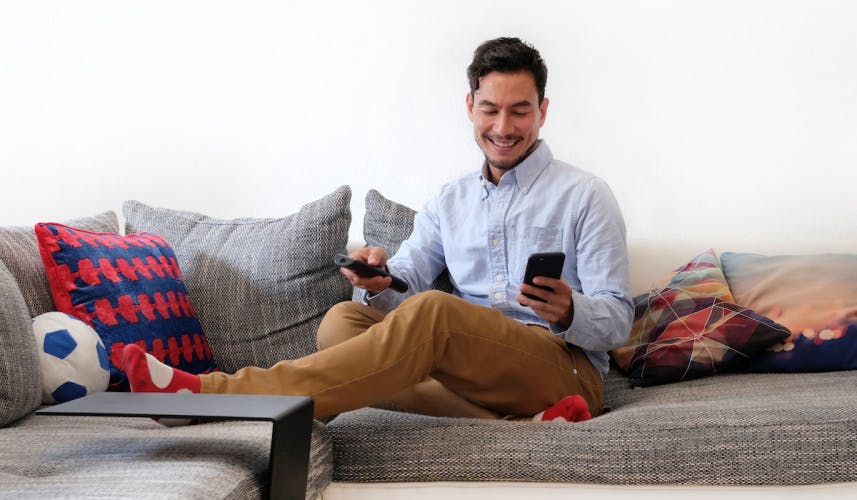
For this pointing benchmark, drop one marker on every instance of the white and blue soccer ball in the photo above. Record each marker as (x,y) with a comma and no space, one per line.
(73,359)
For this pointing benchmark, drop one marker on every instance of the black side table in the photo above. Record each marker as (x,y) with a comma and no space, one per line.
(291,416)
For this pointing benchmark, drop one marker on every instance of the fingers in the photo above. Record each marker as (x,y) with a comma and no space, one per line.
(557,305)
(374,256)
(374,285)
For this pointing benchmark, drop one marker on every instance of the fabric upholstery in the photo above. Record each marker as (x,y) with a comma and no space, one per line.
(20,253)
(102,457)
(814,296)
(20,376)
(260,286)
(733,429)
(386,223)
(130,290)
(688,328)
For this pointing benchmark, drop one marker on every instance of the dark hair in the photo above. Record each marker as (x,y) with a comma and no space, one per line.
(507,55)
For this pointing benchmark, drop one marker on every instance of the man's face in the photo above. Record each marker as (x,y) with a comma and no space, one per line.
(506,117)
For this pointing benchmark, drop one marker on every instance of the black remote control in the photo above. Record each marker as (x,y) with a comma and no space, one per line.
(365,270)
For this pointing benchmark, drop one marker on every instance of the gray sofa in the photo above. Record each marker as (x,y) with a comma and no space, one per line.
(260,287)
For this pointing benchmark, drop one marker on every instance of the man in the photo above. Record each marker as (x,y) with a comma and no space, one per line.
(488,349)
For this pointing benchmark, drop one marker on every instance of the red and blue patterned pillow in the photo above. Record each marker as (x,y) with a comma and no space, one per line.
(691,328)
(130,290)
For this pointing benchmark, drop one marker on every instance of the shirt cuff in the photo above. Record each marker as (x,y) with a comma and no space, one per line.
(577,314)
(385,300)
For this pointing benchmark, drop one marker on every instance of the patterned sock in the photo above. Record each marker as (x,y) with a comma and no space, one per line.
(147,374)
(569,409)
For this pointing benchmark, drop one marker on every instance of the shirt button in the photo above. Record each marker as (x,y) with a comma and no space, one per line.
(498,295)
(495,242)
(499,277)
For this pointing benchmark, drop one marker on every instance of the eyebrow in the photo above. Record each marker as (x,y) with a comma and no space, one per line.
(519,104)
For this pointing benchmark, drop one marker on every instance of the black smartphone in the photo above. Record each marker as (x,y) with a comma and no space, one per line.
(368,271)
(547,264)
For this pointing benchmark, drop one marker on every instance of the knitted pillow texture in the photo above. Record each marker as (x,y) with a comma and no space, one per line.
(260,286)
(690,328)
(20,376)
(130,290)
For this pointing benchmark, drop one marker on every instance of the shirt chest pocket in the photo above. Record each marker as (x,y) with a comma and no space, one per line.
(529,240)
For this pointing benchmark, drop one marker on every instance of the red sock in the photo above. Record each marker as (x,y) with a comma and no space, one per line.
(147,374)
(568,409)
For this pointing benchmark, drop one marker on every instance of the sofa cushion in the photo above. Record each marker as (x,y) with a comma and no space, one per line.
(130,290)
(387,224)
(100,457)
(20,253)
(260,286)
(688,328)
(733,429)
(20,377)
(814,296)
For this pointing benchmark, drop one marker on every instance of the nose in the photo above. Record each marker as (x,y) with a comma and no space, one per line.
(503,124)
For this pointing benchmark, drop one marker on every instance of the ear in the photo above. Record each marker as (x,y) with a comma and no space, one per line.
(469,102)
(543,111)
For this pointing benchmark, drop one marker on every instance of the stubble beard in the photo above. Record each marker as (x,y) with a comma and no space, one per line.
(505,166)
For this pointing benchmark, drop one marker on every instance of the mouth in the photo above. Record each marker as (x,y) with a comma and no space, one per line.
(504,143)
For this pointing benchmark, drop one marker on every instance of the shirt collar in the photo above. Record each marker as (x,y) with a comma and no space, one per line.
(526,172)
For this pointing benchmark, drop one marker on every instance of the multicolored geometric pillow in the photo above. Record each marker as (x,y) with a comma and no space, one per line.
(690,328)
(814,296)
(130,290)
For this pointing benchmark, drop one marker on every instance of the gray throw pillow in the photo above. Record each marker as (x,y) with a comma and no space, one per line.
(260,286)
(20,376)
(387,223)
(20,252)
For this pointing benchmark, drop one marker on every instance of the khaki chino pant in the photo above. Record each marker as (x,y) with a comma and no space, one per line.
(435,354)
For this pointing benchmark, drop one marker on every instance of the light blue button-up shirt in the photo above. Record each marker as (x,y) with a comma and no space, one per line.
(484,234)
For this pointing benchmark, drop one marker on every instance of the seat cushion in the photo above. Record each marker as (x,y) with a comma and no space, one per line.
(88,457)
(734,429)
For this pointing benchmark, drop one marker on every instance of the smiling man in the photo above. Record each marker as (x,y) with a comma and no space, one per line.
(507,111)
(488,349)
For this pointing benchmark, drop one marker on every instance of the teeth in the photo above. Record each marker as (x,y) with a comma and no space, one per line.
(504,144)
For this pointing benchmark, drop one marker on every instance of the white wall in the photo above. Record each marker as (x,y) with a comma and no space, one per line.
(730,124)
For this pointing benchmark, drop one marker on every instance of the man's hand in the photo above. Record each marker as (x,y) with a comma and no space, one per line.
(374,256)
(559,306)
